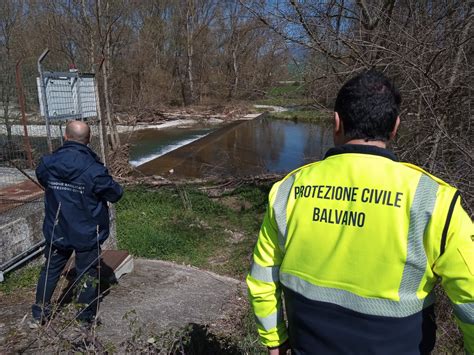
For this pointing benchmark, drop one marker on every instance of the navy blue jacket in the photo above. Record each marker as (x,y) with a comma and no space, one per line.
(78,187)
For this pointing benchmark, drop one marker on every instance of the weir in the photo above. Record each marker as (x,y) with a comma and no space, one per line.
(244,148)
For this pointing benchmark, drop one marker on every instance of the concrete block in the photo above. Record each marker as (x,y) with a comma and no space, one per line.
(20,229)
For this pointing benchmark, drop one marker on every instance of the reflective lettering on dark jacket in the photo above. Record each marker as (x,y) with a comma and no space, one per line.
(76,180)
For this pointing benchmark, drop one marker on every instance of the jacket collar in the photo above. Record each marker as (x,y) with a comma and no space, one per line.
(361,149)
(74,143)
(80,147)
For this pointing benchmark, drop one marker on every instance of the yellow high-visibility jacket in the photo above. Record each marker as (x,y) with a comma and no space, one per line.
(356,242)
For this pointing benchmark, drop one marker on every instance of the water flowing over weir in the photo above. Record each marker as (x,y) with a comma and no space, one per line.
(151,144)
(242,148)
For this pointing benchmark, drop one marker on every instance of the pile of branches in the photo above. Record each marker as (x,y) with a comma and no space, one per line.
(117,162)
(213,186)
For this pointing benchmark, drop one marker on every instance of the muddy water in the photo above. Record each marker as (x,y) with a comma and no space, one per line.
(245,148)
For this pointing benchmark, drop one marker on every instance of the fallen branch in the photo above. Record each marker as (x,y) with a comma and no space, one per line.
(213,186)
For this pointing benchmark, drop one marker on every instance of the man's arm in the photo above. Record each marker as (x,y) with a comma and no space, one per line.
(455,266)
(106,188)
(264,287)
(40,174)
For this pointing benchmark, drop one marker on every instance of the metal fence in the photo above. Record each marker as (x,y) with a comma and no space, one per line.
(29,129)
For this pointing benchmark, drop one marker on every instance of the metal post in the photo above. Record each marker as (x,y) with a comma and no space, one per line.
(78,90)
(61,132)
(21,101)
(43,98)
(102,130)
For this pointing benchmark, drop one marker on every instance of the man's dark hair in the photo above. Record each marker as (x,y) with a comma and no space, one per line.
(368,106)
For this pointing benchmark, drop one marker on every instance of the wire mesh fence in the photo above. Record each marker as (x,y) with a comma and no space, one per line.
(21,141)
(26,134)
(29,129)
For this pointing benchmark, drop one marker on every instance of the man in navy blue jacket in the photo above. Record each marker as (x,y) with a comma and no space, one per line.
(78,187)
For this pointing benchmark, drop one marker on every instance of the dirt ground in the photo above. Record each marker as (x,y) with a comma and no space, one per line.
(156,297)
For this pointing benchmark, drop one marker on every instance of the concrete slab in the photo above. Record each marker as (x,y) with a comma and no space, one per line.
(20,227)
(163,295)
(21,220)
(157,296)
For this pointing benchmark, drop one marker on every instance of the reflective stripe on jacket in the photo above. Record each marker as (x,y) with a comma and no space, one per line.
(368,235)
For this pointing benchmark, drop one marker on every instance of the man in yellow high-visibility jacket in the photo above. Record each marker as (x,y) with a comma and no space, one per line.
(357,241)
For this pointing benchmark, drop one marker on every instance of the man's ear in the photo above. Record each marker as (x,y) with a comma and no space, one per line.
(337,124)
(395,128)
(338,130)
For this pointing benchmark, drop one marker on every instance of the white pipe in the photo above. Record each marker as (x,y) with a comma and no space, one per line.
(23,258)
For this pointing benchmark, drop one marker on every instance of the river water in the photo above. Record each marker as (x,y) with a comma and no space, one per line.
(150,144)
(239,149)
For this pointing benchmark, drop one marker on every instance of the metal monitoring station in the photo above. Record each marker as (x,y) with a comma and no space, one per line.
(69,95)
(65,96)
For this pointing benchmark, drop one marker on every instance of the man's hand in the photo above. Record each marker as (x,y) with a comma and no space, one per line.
(279,350)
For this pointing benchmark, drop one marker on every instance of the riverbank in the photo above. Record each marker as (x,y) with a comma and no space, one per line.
(189,227)
(303,115)
(212,231)
(163,119)
(215,232)
(183,225)
(218,234)
(39,130)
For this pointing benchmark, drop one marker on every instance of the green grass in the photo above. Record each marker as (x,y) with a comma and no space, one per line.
(286,90)
(26,277)
(248,341)
(310,116)
(285,95)
(283,101)
(188,227)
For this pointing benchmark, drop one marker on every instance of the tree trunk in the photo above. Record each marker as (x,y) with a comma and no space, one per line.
(236,72)
(114,136)
(90,34)
(6,109)
(190,51)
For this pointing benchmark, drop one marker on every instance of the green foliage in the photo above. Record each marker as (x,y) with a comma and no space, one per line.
(25,277)
(287,90)
(283,101)
(311,116)
(187,226)
(157,225)
(286,95)
(248,340)
(257,196)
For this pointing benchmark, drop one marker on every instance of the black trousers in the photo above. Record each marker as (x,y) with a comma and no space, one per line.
(85,281)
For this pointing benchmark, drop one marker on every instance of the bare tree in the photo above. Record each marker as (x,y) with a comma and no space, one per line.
(425,45)
(9,17)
